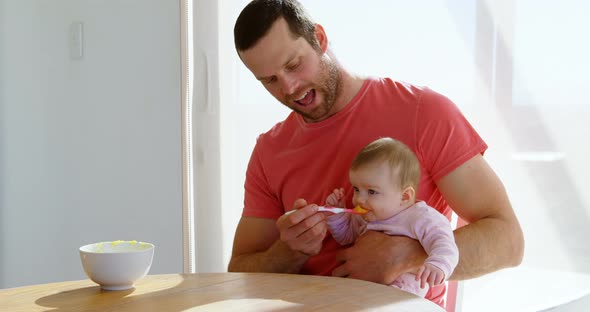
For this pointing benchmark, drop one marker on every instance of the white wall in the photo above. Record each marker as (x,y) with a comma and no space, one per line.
(90,149)
(208,230)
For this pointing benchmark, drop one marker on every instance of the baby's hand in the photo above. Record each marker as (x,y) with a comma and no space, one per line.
(430,274)
(336,199)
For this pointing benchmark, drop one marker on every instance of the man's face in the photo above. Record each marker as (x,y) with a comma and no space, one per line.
(299,76)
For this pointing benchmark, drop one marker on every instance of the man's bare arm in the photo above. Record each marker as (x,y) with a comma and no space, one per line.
(263,245)
(493,240)
(258,249)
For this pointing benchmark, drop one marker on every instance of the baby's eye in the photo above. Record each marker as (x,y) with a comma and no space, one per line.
(356,189)
(372,192)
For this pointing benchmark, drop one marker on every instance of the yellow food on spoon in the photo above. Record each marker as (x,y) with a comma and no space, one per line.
(360,209)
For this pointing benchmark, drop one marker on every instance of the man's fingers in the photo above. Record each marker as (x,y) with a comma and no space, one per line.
(340,271)
(313,233)
(294,217)
(342,255)
(303,230)
(310,242)
(302,214)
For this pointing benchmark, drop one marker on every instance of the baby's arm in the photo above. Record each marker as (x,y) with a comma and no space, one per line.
(343,226)
(346,227)
(436,236)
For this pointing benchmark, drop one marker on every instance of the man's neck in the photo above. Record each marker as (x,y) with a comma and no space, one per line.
(349,87)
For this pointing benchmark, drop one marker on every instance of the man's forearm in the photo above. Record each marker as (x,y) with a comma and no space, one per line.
(279,258)
(486,246)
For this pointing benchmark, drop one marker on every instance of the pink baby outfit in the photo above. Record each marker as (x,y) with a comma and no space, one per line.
(420,222)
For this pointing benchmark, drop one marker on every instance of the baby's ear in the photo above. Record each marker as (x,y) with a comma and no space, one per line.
(408,194)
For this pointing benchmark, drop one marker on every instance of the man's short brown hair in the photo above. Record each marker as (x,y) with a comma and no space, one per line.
(259,15)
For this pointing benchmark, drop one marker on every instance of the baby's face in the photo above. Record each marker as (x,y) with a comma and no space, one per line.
(376,190)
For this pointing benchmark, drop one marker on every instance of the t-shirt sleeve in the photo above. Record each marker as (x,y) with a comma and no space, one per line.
(259,199)
(445,139)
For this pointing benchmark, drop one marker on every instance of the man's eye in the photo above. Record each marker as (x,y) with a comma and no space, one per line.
(292,67)
(270,80)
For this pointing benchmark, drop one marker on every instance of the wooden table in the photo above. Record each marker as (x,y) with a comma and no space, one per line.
(217,292)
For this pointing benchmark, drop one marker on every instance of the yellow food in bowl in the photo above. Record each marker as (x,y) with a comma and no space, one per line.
(118,246)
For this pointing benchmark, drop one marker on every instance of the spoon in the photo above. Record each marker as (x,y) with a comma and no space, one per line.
(357,210)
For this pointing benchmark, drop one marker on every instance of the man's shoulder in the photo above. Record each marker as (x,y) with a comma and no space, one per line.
(279,130)
(388,82)
(405,91)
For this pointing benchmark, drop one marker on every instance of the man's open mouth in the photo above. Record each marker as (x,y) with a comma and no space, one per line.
(307,98)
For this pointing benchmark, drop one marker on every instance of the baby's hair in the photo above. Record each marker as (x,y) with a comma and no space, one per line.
(402,161)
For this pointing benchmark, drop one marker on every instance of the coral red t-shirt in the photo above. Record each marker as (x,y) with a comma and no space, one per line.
(296,159)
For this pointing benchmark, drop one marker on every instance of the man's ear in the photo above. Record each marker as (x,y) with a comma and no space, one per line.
(322,38)
(408,195)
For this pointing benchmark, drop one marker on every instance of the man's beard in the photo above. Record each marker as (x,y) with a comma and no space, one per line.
(329,86)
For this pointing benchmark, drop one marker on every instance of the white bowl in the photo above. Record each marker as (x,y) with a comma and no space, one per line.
(117,265)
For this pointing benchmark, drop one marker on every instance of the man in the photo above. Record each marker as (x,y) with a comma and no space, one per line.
(297,163)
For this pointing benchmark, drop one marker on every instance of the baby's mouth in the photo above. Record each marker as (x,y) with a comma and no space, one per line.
(360,210)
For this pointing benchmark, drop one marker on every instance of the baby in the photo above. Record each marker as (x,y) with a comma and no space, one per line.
(385,176)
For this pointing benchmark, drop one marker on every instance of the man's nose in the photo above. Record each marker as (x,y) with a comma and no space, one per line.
(289,85)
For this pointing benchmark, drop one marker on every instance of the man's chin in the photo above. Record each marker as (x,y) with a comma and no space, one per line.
(308,115)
